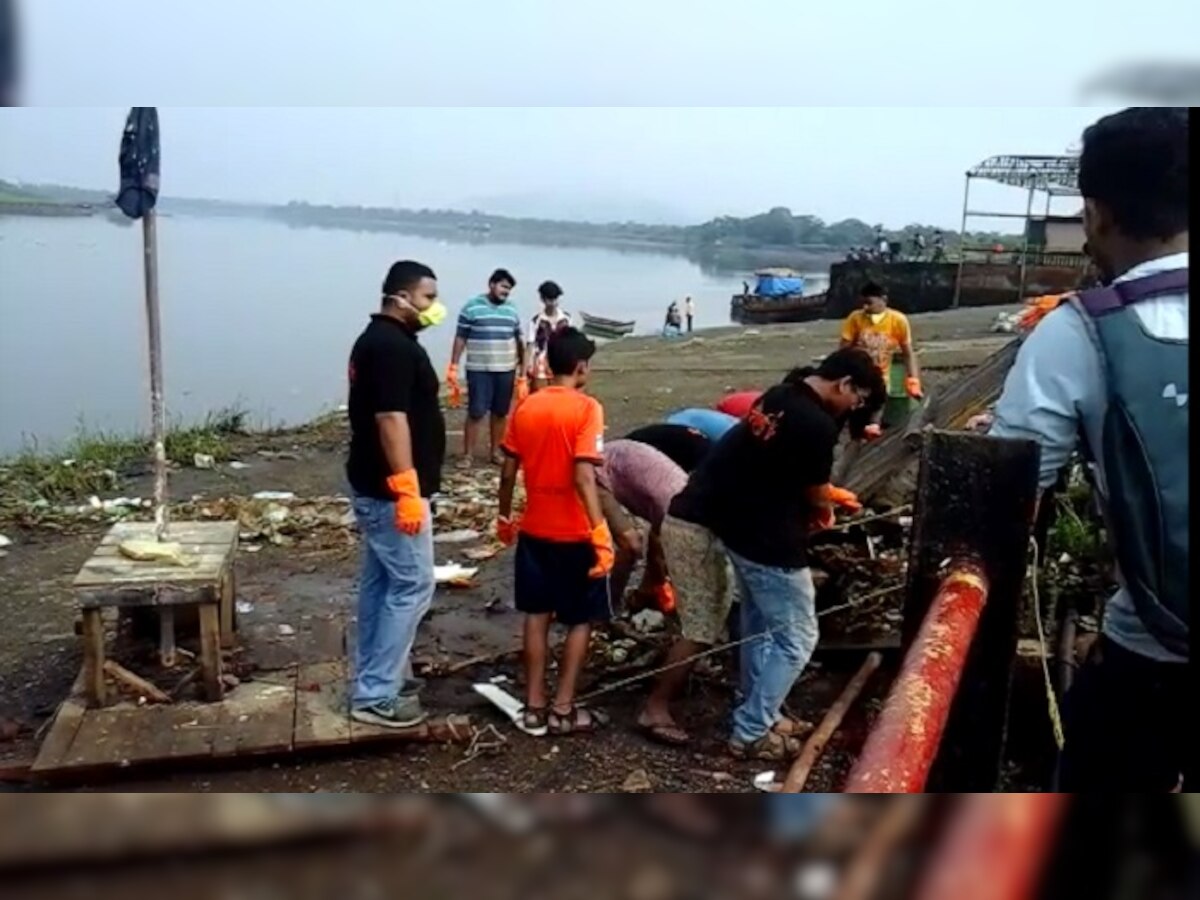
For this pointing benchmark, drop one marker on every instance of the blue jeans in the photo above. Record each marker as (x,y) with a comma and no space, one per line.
(779,604)
(395,590)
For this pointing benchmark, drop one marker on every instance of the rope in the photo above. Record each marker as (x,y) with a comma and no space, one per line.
(1051,696)
(721,648)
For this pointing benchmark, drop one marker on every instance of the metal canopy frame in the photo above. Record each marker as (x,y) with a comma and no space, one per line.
(1053,176)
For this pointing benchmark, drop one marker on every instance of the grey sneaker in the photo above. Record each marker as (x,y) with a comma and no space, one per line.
(412,687)
(403,712)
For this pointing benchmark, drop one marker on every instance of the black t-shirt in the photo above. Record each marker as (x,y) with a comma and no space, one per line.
(752,489)
(390,372)
(684,446)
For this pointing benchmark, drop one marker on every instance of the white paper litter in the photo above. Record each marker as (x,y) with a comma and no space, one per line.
(274,495)
(461,536)
(452,572)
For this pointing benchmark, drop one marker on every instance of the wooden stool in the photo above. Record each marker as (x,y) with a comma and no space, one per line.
(109,579)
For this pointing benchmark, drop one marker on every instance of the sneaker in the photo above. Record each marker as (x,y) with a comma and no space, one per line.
(412,687)
(403,712)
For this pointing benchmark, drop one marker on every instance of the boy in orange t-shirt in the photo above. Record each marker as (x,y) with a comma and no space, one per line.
(564,546)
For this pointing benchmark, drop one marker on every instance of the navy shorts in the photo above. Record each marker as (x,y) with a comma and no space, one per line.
(552,577)
(489,392)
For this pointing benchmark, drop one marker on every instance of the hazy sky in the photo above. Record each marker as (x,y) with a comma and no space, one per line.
(327,77)
(891,165)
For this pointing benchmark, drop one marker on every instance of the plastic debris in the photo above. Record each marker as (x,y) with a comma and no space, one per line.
(204,461)
(244,607)
(458,536)
(286,631)
(453,573)
(5,542)
(648,620)
(153,551)
(274,495)
(765,782)
(238,466)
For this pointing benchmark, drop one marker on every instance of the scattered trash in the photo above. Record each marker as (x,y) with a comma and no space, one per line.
(5,542)
(765,781)
(453,574)
(458,536)
(480,554)
(204,461)
(648,620)
(507,704)
(273,495)
(238,466)
(286,631)
(637,782)
(154,551)
(68,463)
(280,454)
(1007,323)
(276,514)
(244,607)
(252,548)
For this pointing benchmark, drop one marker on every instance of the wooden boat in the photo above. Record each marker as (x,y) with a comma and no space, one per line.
(752,309)
(605,328)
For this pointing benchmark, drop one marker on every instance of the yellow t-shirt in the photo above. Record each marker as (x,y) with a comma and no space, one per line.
(880,339)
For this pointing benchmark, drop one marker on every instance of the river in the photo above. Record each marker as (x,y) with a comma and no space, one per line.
(256,314)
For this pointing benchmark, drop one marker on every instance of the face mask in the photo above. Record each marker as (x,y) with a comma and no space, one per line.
(435,314)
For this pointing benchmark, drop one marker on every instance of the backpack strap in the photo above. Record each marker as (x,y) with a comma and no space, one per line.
(1104,300)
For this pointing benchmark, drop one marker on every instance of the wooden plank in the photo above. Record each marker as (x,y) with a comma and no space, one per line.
(148,595)
(62,731)
(93,656)
(229,608)
(111,552)
(116,736)
(210,651)
(118,571)
(328,639)
(258,717)
(322,716)
(209,533)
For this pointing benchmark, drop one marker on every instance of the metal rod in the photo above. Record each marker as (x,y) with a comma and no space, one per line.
(995,846)
(158,419)
(962,242)
(1025,248)
(980,214)
(904,742)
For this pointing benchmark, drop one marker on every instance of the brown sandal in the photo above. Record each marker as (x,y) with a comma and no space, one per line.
(771,747)
(577,720)
(533,718)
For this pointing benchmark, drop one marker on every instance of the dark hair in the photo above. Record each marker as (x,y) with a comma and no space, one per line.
(1135,162)
(405,275)
(549,290)
(871,289)
(855,364)
(566,349)
(502,275)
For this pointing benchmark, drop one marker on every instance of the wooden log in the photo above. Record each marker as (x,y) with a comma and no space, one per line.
(210,652)
(93,656)
(877,464)
(136,683)
(868,869)
(815,745)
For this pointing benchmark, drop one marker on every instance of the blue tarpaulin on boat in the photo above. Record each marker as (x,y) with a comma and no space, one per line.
(778,286)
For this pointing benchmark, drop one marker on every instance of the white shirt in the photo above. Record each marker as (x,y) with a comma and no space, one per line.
(1056,386)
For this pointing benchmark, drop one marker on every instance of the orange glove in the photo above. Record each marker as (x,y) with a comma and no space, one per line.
(912,386)
(872,433)
(410,511)
(602,543)
(522,388)
(664,596)
(506,530)
(1038,308)
(823,520)
(847,500)
(455,399)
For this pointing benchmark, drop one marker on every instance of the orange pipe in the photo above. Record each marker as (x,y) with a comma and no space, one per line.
(995,847)
(904,740)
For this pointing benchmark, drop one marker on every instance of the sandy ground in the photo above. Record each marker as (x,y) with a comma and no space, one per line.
(638,381)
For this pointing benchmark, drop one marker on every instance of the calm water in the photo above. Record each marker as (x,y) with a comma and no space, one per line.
(255,313)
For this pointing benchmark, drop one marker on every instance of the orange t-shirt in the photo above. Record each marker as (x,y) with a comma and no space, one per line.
(548,432)
(880,339)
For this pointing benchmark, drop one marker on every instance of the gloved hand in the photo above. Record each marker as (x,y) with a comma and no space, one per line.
(912,386)
(872,432)
(521,388)
(410,511)
(847,500)
(506,530)
(823,519)
(664,597)
(455,399)
(602,543)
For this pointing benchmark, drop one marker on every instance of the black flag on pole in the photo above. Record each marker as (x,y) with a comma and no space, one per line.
(139,162)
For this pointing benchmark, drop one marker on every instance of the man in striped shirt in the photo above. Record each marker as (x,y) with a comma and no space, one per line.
(489,331)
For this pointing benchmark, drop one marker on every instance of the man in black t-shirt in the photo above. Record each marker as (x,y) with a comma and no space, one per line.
(683,445)
(397,445)
(761,491)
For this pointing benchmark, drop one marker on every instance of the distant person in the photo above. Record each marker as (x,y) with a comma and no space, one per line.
(738,404)
(673,324)
(884,332)
(489,332)
(745,289)
(683,445)
(550,319)
(711,423)
(689,310)
(939,246)
(564,545)
(1111,368)
(882,246)
(760,492)
(397,445)
(919,246)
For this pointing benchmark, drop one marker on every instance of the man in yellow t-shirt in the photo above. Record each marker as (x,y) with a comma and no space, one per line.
(883,332)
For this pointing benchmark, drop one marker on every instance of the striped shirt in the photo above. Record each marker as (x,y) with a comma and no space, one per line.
(492,332)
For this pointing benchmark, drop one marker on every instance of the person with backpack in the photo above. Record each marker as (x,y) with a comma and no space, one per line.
(1111,364)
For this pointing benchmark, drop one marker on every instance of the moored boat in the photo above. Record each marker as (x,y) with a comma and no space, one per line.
(597,326)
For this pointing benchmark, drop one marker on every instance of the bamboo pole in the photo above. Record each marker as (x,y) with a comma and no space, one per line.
(158,420)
